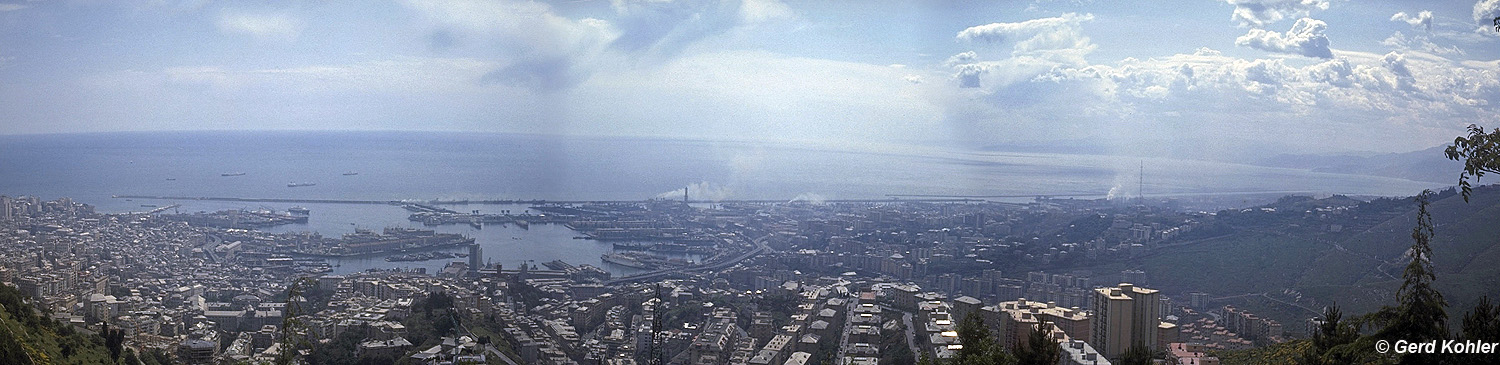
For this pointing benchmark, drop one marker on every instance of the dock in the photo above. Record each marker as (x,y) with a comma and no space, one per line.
(892,199)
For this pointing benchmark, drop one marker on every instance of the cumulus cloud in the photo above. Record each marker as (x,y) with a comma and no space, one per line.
(1422,20)
(1258,13)
(1420,43)
(1036,44)
(1485,11)
(279,27)
(1205,94)
(1064,32)
(1306,38)
(965,57)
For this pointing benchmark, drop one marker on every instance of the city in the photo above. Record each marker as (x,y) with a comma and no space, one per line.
(749,182)
(865,282)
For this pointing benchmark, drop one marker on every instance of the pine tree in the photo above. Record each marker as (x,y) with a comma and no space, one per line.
(979,347)
(1040,349)
(1420,312)
(1481,324)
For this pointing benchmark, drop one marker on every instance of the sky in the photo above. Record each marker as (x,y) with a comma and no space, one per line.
(1235,78)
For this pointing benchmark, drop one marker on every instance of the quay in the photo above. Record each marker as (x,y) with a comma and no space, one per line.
(892,199)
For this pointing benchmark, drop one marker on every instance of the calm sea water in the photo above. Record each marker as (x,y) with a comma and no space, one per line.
(91,168)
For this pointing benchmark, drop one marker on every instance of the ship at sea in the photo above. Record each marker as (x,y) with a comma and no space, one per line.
(351,173)
(298,210)
(300,184)
(232,174)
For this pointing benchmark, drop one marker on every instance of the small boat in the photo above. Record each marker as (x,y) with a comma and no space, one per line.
(171,179)
(297,184)
(351,173)
(232,174)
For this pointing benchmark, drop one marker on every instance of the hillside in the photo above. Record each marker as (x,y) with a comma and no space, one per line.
(1288,264)
(1424,165)
(1465,247)
(28,338)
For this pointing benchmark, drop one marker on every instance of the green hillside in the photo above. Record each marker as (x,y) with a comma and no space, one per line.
(1365,275)
(28,338)
(1286,265)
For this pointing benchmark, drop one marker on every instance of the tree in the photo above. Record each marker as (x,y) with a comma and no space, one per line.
(293,331)
(979,347)
(1420,314)
(925,359)
(1040,349)
(1136,355)
(130,358)
(1481,324)
(1333,332)
(114,340)
(974,335)
(1480,153)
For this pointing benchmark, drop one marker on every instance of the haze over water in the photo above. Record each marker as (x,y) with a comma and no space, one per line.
(90,168)
(417,165)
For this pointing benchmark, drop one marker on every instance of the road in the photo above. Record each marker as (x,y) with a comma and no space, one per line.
(760,246)
(491,349)
(911,335)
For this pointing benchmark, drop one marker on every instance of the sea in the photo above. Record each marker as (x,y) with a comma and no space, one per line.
(95,168)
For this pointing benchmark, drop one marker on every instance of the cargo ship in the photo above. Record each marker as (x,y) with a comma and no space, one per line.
(232,174)
(298,210)
(297,184)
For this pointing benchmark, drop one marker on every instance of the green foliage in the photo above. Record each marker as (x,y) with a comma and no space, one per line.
(1040,349)
(1481,324)
(1279,354)
(130,358)
(980,348)
(1136,355)
(1480,153)
(28,337)
(341,350)
(1420,314)
(1334,340)
(114,340)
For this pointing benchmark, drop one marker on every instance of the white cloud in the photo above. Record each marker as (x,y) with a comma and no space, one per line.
(1219,105)
(962,58)
(1036,45)
(1258,13)
(756,11)
(1419,43)
(1422,20)
(1485,12)
(1042,35)
(555,52)
(1307,37)
(279,27)
(660,29)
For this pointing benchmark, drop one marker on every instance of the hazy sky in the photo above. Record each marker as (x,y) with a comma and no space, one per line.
(1180,78)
